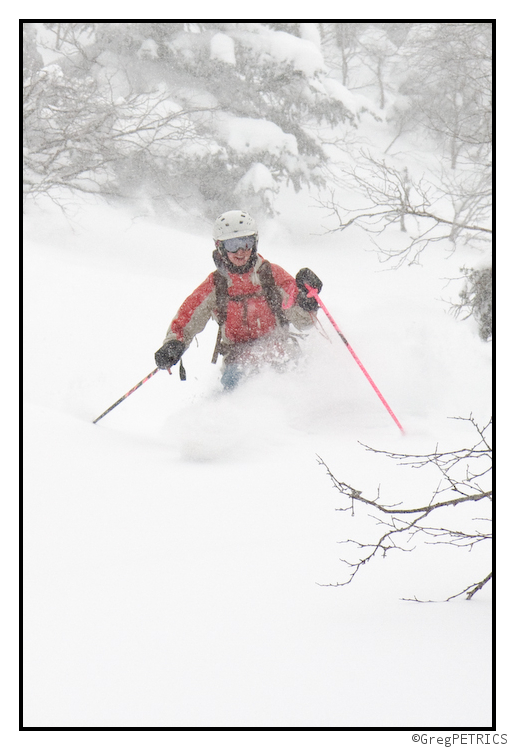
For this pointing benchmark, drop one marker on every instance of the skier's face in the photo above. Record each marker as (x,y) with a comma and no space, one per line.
(240,258)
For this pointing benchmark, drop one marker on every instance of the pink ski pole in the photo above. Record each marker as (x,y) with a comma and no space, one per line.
(312,292)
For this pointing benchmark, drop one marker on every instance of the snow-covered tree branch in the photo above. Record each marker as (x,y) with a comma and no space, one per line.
(209,114)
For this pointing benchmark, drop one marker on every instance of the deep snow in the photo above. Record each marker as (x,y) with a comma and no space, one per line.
(173,550)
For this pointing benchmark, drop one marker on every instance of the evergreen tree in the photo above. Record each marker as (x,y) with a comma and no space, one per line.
(201,114)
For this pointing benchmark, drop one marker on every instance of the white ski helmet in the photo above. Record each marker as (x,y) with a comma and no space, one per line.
(234,224)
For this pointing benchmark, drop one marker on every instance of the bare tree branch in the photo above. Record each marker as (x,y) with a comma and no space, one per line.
(401,527)
(456,208)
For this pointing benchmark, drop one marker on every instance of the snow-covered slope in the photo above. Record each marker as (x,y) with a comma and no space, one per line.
(173,550)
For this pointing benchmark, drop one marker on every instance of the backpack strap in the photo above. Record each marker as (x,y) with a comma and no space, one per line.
(272,293)
(222,300)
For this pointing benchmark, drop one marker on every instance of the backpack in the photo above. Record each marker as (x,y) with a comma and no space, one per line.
(271,293)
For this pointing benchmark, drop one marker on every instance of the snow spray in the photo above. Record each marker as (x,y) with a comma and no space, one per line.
(312,292)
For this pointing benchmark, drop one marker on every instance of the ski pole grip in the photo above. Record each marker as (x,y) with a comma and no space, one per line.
(312,292)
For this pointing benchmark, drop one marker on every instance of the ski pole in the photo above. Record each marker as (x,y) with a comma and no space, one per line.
(312,292)
(127,394)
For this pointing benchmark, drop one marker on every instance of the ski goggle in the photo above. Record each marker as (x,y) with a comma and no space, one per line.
(233,244)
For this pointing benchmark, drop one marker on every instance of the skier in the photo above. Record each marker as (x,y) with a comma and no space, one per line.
(253,301)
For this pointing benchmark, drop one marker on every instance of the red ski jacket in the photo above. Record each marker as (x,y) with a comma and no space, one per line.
(249,316)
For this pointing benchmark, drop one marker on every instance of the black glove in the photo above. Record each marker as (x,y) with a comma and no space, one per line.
(306,276)
(169,354)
